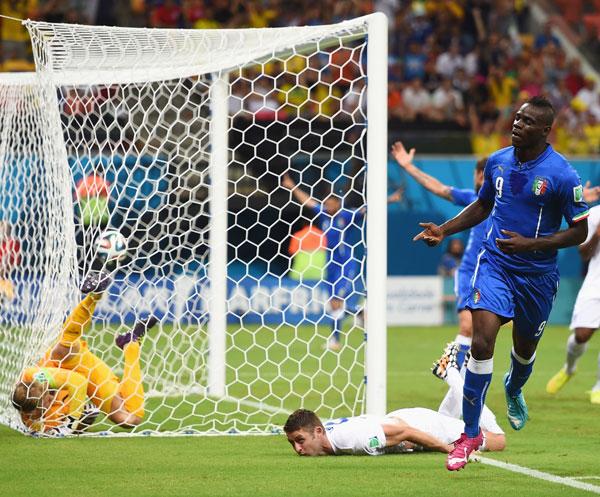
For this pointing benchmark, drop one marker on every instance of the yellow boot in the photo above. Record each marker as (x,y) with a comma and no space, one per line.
(558,381)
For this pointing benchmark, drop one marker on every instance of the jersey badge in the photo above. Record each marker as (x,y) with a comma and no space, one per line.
(578,193)
(41,376)
(540,185)
(374,443)
(476,296)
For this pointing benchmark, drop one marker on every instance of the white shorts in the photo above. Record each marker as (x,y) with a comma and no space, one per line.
(586,313)
(442,427)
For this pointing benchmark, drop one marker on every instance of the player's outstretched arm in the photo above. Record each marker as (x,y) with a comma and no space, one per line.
(300,195)
(405,161)
(514,243)
(397,433)
(470,216)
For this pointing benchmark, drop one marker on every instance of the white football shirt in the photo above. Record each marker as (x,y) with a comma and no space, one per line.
(591,284)
(356,435)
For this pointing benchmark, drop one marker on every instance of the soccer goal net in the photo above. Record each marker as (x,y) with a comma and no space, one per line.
(241,167)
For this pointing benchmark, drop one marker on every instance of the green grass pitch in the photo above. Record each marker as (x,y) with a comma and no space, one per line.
(562,438)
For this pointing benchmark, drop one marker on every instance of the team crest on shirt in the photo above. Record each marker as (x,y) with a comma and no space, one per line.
(476,296)
(374,442)
(578,193)
(41,377)
(540,185)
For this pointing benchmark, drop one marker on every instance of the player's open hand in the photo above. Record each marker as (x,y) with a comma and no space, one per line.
(432,234)
(397,196)
(591,193)
(402,157)
(514,243)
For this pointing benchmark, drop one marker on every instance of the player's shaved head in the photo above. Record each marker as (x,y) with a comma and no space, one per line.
(26,396)
(302,419)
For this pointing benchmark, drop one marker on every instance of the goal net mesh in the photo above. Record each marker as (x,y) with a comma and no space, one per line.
(117,132)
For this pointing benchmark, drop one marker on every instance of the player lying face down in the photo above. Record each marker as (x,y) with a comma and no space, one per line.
(399,431)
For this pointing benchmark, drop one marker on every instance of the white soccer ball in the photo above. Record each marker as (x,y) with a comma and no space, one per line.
(112,246)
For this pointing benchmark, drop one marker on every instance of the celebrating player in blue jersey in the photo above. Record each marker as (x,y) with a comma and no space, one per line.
(462,277)
(528,188)
(342,267)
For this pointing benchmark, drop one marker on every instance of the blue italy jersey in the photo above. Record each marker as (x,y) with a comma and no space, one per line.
(336,230)
(464,197)
(530,198)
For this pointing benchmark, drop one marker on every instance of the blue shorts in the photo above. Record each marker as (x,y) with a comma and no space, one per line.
(525,298)
(462,287)
(340,278)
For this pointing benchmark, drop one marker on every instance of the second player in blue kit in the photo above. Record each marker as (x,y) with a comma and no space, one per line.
(463,275)
(528,189)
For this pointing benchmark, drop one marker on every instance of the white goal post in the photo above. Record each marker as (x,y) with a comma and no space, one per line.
(192,133)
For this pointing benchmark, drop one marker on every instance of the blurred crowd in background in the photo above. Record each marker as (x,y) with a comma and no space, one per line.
(453,64)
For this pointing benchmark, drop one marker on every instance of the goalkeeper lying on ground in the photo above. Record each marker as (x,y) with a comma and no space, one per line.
(399,431)
(51,396)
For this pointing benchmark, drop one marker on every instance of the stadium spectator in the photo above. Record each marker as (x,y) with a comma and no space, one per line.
(574,78)
(588,95)
(586,313)
(167,14)
(432,79)
(403,430)
(14,36)
(518,278)
(448,62)
(417,101)
(192,11)
(546,37)
(502,88)
(414,62)
(461,82)
(51,395)
(447,104)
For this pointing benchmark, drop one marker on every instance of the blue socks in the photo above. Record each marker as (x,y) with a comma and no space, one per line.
(477,381)
(464,344)
(520,371)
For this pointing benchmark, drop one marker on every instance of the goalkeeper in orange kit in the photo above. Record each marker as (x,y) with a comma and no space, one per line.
(51,396)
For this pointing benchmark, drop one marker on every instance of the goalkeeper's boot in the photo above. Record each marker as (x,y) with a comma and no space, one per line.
(137,333)
(96,282)
(463,447)
(558,381)
(517,412)
(595,396)
(448,360)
